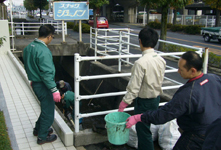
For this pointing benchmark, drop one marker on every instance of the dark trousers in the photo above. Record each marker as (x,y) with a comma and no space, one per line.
(189,141)
(46,117)
(144,134)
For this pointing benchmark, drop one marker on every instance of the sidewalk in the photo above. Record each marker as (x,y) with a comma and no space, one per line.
(21,109)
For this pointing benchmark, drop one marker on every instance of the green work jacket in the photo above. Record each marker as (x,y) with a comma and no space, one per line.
(38,62)
(69,98)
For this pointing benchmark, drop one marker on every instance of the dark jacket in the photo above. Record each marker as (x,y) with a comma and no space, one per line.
(195,105)
(213,136)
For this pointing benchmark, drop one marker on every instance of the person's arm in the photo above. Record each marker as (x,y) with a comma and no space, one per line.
(133,86)
(175,108)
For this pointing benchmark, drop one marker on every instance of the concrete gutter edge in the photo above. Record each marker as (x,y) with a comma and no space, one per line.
(8,122)
(62,129)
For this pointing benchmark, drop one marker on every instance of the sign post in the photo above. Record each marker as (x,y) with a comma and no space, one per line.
(71,11)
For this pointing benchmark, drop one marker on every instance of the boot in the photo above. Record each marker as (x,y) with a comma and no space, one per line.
(50,138)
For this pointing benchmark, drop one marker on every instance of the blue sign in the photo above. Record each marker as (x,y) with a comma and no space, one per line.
(90,12)
(71,11)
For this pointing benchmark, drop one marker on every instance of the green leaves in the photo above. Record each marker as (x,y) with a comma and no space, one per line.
(40,3)
(2,39)
(29,5)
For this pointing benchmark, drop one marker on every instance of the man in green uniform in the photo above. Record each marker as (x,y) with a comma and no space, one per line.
(39,66)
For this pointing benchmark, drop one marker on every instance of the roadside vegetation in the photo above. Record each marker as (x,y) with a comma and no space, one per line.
(214,60)
(189,29)
(5,143)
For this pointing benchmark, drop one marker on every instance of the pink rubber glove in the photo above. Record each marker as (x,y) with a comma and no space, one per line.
(122,106)
(132,120)
(56,96)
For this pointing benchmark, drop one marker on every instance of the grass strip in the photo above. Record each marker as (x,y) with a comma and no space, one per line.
(5,143)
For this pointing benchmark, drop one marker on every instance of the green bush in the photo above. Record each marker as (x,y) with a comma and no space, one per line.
(169,25)
(192,29)
(85,28)
(214,60)
(176,27)
(70,25)
(154,25)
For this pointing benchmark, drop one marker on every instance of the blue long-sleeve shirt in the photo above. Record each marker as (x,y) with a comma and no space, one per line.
(195,105)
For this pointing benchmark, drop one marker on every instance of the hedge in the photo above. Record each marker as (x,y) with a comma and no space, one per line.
(213,60)
(70,25)
(85,28)
(189,29)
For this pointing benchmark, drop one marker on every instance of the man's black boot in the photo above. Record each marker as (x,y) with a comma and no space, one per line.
(50,138)
(35,131)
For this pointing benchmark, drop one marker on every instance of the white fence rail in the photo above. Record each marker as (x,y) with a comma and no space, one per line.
(204,20)
(23,28)
(120,46)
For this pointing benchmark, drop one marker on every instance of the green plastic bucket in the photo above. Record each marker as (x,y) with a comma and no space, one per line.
(117,132)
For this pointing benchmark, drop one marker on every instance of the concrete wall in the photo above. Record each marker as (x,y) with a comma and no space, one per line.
(4,31)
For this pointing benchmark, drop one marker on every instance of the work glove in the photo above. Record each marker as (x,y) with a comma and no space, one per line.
(132,120)
(122,106)
(56,96)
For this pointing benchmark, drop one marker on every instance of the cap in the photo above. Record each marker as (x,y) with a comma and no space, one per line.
(61,83)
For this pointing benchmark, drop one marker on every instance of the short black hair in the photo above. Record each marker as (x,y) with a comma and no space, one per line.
(148,37)
(193,60)
(46,30)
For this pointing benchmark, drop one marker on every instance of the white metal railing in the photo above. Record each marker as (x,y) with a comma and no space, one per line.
(204,20)
(22,28)
(118,41)
(106,53)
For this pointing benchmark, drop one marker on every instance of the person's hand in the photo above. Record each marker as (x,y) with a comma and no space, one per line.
(132,120)
(122,106)
(56,96)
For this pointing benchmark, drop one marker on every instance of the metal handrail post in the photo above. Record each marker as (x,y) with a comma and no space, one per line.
(206,20)
(66,30)
(120,48)
(90,37)
(128,45)
(76,90)
(12,25)
(105,42)
(95,47)
(205,63)
(23,32)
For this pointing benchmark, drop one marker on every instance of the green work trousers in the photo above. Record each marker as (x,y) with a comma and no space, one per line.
(144,134)
(46,117)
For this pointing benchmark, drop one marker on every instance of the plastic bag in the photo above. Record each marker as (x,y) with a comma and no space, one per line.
(168,134)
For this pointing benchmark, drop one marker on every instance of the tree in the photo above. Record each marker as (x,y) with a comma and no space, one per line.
(165,5)
(40,4)
(1,1)
(148,4)
(215,4)
(95,4)
(29,5)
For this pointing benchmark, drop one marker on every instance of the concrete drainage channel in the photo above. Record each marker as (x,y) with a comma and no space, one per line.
(68,137)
